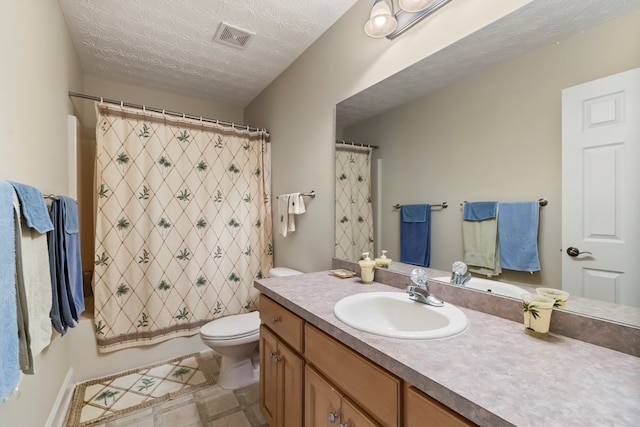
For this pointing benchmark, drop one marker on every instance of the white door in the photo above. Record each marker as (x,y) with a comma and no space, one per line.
(601,189)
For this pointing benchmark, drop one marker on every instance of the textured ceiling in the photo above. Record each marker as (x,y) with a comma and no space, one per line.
(539,23)
(168,44)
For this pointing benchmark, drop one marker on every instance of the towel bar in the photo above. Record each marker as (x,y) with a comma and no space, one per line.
(442,205)
(541,202)
(311,194)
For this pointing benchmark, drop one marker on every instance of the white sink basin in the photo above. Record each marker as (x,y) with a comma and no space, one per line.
(486,285)
(393,314)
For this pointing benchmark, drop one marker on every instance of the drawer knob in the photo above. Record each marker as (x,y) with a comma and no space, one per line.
(344,425)
(274,320)
(333,417)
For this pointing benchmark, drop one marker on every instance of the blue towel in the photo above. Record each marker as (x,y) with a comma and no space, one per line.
(518,235)
(33,207)
(70,215)
(63,308)
(72,252)
(479,211)
(415,234)
(415,213)
(9,364)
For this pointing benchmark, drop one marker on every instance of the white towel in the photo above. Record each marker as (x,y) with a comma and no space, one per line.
(37,281)
(284,226)
(296,204)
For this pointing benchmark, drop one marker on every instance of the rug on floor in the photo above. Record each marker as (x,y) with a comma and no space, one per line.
(98,401)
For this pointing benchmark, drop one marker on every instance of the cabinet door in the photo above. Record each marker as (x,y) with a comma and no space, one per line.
(290,386)
(352,416)
(322,402)
(268,376)
(421,410)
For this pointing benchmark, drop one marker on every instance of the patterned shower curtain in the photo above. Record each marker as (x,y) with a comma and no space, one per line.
(354,217)
(183,224)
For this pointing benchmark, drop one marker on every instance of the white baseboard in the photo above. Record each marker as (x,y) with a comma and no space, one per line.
(63,401)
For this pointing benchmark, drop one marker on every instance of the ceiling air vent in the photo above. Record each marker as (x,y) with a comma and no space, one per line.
(233,36)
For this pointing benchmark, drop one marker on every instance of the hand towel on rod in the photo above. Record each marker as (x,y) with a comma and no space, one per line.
(22,313)
(518,235)
(284,227)
(32,261)
(415,234)
(480,247)
(72,252)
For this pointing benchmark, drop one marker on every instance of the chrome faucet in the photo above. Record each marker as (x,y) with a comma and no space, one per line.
(420,291)
(459,273)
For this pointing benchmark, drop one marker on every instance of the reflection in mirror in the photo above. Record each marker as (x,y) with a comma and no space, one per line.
(354,215)
(493,135)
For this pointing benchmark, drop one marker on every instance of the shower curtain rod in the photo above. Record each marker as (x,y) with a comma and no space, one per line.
(171,113)
(356,144)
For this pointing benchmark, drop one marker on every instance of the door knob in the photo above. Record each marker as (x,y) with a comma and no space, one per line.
(571,251)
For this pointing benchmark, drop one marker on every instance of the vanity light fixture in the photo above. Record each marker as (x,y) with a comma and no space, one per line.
(381,20)
(384,23)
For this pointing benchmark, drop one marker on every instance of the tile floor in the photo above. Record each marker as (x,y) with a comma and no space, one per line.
(208,407)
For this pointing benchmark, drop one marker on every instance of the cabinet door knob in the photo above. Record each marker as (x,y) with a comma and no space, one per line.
(344,425)
(277,358)
(333,417)
(274,320)
(272,354)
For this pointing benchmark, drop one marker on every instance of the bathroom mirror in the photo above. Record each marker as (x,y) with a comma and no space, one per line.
(473,67)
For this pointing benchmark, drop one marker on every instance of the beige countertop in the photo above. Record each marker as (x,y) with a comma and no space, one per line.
(494,374)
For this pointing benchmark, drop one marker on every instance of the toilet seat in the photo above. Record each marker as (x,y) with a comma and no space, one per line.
(232,327)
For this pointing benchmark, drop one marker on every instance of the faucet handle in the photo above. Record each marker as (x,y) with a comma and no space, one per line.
(419,277)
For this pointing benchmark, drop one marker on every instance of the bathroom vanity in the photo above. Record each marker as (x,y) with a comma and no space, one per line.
(316,370)
(301,383)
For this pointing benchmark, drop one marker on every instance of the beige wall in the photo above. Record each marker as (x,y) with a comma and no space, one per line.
(299,109)
(39,66)
(494,136)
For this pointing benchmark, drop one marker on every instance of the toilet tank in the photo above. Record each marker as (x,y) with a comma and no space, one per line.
(283,272)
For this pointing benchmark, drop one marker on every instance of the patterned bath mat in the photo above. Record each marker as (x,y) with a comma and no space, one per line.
(99,401)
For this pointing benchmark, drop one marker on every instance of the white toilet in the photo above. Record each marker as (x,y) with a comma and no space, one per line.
(235,338)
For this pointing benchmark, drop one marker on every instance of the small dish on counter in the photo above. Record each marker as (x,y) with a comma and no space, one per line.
(342,273)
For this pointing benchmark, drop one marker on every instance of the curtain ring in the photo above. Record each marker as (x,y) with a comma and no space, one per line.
(101,100)
(121,104)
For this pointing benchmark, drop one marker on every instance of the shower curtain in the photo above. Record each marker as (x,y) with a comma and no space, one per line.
(183,224)
(354,217)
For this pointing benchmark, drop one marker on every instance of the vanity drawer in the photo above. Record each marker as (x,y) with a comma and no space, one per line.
(284,323)
(371,387)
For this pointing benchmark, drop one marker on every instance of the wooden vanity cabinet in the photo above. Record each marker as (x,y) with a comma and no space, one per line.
(281,367)
(309,378)
(421,410)
(366,384)
(326,406)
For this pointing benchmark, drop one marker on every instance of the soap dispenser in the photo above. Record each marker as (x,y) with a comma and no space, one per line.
(383,261)
(366,268)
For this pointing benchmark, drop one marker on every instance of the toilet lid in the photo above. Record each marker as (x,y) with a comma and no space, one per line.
(235,326)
